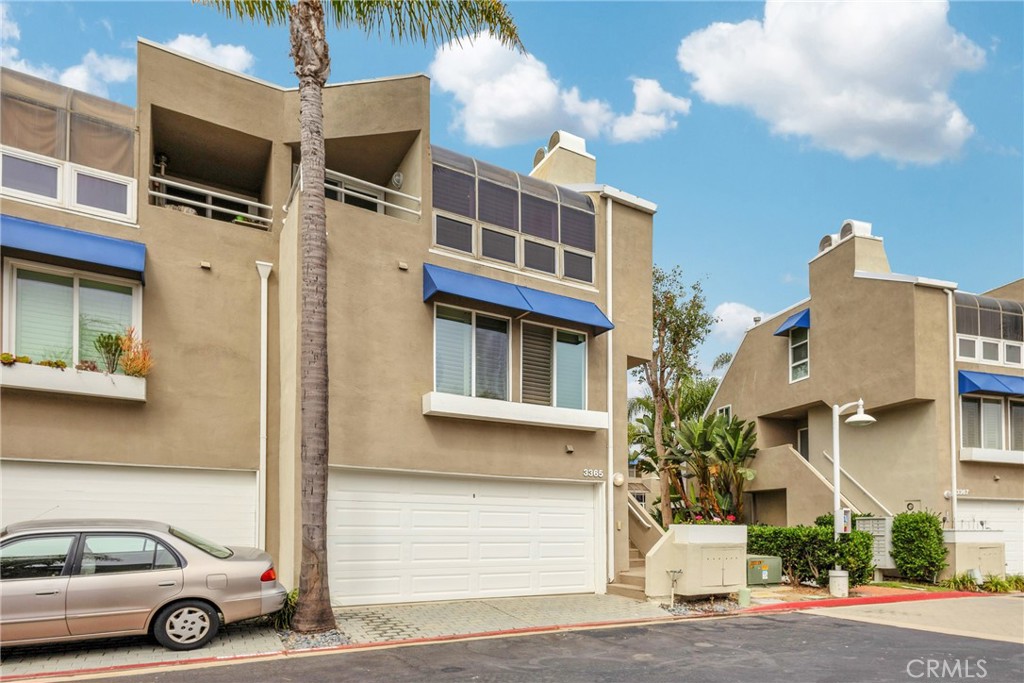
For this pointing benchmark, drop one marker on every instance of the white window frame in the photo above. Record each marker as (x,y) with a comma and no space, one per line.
(1003,421)
(524,238)
(806,360)
(11,266)
(478,241)
(554,362)
(581,252)
(725,410)
(1010,402)
(472,350)
(341,187)
(67,186)
(1001,344)
(473,235)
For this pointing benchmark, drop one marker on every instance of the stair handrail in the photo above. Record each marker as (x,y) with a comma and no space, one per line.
(842,472)
(637,511)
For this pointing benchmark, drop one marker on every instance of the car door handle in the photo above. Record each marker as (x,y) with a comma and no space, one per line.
(166,583)
(48,593)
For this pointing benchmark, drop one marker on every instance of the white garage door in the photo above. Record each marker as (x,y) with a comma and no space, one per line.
(217,504)
(407,538)
(1005,515)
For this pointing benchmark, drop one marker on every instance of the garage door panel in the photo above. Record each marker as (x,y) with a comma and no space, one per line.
(457,538)
(179,496)
(1004,515)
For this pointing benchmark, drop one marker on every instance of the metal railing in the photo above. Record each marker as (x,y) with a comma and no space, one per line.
(241,209)
(637,511)
(350,186)
(858,485)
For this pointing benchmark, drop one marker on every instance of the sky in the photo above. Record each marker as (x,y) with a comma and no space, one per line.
(757,128)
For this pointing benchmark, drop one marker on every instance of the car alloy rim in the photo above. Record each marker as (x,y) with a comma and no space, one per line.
(188,625)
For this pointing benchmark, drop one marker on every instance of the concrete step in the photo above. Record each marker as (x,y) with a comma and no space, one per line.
(634,554)
(627,591)
(638,562)
(633,577)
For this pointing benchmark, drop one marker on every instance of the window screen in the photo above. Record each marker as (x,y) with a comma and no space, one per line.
(491,358)
(540,217)
(454,234)
(577,229)
(578,267)
(498,245)
(452,346)
(455,192)
(539,256)
(499,205)
(571,370)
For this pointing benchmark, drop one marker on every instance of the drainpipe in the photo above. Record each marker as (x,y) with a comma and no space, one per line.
(952,407)
(611,393)
(261,509)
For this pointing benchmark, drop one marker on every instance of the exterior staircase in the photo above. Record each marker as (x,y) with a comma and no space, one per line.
(631,583)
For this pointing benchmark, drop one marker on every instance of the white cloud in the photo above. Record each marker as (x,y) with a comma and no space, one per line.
(93,74)
(734,319)
(503,98)
(233,57)
(860,78)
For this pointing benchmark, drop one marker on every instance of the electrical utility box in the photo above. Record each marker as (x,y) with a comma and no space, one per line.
(764,570)
(880,529)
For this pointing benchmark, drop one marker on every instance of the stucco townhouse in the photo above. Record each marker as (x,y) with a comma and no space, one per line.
(939,368)
(482,323)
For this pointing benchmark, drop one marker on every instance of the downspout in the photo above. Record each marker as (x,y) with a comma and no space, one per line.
(261,509)
(610,470)
(952,408)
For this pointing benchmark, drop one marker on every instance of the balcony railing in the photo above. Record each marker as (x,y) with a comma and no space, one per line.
(356,192)
(209,203)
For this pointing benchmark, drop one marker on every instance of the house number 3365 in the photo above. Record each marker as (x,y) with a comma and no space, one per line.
(593,473)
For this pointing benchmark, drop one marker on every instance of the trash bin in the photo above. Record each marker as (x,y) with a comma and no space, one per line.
(839,583)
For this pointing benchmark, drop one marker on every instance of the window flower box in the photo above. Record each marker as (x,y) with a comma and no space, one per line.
(71,381)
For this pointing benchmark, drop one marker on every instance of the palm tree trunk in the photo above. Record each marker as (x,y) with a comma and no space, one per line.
(664,483)
(312,65)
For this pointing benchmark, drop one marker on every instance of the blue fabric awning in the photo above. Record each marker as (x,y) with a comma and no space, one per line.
(86,247)
(438,280)
(799,319)
(971,382)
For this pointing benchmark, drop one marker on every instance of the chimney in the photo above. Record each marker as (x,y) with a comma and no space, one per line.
(565,161)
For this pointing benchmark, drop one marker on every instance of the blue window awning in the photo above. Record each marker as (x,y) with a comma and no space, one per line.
(84,247)
(971,382)
(438,280)
(799,319)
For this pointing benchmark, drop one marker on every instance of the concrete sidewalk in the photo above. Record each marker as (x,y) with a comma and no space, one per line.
(375,625)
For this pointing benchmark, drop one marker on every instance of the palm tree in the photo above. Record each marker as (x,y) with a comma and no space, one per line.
(433,21)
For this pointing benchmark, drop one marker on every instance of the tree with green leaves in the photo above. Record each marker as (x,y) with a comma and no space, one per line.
(734,449)
(681,323)
(427,21)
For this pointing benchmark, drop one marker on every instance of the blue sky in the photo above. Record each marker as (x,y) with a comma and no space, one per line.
(756,128)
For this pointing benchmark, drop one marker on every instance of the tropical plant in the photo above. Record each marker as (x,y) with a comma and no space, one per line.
(7,359)
(136,358)
(995,584)
(734,449)
(963,581)
(435,21)
(1016,582)
(108,345)
(57,363)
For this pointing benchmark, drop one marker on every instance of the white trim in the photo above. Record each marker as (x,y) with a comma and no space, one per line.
(725,410)
(71,381)
(979,342)
(490,410)
(75,170)
(909,279)
(807,360)
(263,268)
(609,485)
(59,461)
(607,191)
(1005,456)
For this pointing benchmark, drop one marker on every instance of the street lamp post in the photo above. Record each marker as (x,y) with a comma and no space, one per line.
(858,419)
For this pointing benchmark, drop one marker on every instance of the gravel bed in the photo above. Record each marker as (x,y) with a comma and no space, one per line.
(291,640)
(697,608)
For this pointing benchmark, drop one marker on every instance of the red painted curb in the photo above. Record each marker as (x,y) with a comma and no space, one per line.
(851,602)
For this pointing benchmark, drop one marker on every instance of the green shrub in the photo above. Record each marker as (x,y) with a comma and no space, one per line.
(995,584)
(282,618)
(1016,582)
(961,582)
(917,549)
(826,519)
(809,552)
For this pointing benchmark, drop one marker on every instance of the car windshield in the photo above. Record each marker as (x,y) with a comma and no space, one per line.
(215,549)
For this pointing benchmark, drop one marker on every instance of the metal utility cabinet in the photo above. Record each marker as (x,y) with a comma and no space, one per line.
(702,559)
(763,570)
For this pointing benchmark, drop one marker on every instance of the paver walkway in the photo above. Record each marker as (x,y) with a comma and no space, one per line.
(378,624)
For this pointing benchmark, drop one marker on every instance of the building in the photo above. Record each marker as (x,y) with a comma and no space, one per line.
(481,326)
(940,370)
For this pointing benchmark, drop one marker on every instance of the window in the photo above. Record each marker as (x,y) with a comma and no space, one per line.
(353,194)
(989,331)
(470,353)
(36,557)
(802,443)
(57,313)
(554,367)
(985,422)
(514,220)
(725,411)
(65,147)
(799,361)
(119,553)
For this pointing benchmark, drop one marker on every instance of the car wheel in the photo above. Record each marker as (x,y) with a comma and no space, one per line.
(186,625)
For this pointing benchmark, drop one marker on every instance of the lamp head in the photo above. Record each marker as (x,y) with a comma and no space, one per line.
(860,418)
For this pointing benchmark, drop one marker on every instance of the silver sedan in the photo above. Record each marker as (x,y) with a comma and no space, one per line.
(77,579)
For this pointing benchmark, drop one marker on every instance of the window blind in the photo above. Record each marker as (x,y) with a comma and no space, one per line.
(491,358)
(970,422)
(991,423)
(44,312)
(453,341)
(537,361)
(570,364)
